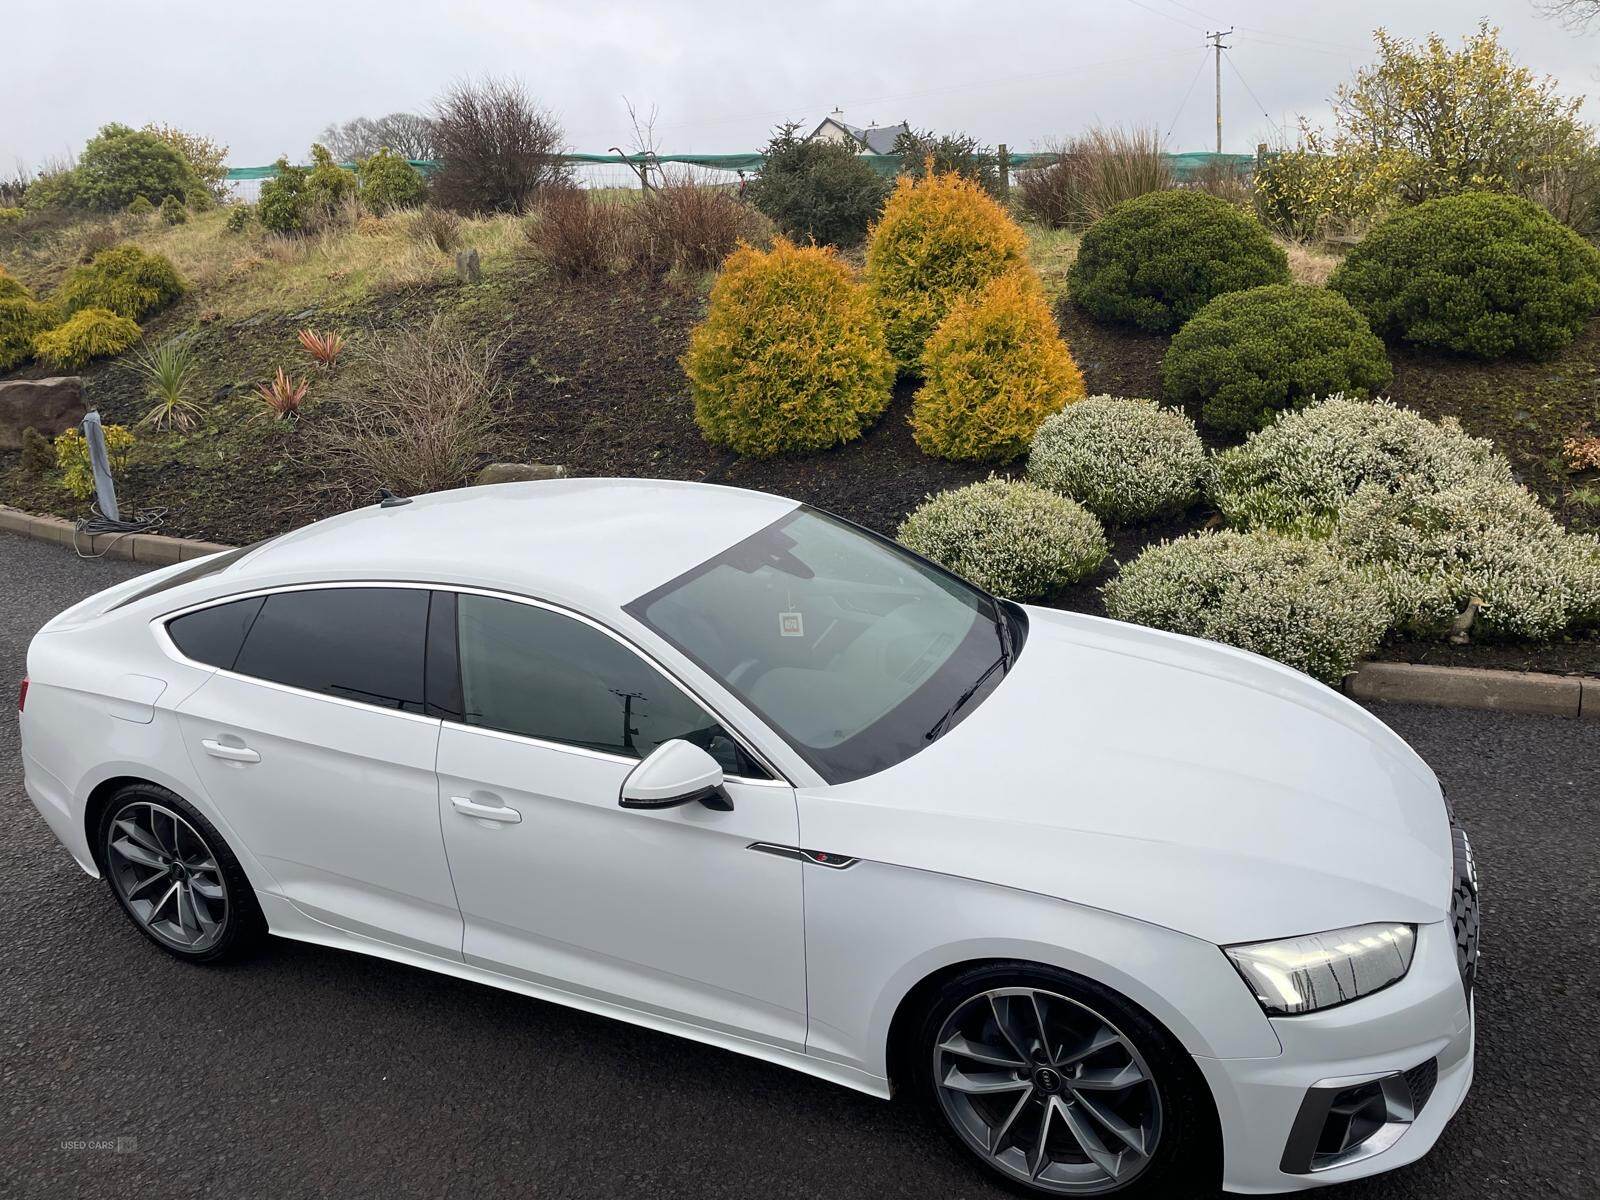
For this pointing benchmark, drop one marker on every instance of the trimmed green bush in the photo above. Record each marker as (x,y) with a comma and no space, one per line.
(1010,537)
(791,355)
(119,164)
(140,206)
(125,279)
(1479,273)
(173,212)
(993,371)
(941,239)
(816,190)
(1290,599)
(389,181)
(89,334)
(1155,260)
(1247,356)
(1299,473)
(1126,461)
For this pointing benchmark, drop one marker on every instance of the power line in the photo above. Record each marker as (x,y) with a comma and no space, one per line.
(1256,98)
(1185,102)
(1165,15)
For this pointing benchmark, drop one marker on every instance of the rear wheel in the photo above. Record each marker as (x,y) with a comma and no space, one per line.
(1061,1087)
(175,877)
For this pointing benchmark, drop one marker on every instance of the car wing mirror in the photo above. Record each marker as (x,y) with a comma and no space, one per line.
(677,772)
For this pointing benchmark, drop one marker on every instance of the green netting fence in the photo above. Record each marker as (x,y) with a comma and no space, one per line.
(1184,166)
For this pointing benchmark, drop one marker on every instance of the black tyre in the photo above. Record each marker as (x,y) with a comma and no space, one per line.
(1059,1086)
(175,877)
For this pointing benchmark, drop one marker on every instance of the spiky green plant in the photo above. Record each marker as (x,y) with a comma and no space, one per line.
(168,371)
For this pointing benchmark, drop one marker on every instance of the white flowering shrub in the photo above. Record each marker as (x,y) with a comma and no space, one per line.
(1435,551)
(1124,460)
(1012,537)
(1287,598)
(1297,474)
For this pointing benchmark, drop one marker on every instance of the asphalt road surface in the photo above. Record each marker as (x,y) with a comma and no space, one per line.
(309,1072)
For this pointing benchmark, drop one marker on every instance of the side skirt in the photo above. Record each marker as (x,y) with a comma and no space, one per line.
(286,921)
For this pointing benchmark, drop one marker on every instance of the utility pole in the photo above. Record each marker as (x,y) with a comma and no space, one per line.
(1216,43)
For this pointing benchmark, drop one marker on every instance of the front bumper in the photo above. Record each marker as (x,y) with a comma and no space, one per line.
(1427,1015)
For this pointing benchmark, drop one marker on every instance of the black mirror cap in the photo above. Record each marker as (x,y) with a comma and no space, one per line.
(714,798)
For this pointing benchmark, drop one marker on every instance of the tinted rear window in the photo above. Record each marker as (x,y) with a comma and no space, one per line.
(214,635)
(362,644)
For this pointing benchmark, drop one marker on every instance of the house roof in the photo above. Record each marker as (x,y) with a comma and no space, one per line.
(877,139)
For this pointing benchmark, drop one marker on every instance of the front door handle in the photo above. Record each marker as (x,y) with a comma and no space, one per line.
(485,812)
(237,754)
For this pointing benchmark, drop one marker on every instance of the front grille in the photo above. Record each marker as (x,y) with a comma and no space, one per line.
(1464,907)
(1421,1080)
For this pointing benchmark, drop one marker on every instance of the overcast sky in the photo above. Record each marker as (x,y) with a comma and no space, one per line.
(264,76)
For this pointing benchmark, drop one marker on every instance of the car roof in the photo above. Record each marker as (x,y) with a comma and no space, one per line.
(593,543)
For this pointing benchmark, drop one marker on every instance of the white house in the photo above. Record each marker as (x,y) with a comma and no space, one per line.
(874,139)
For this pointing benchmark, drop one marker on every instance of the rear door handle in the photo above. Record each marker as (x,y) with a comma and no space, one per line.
(238,754)
(485,812)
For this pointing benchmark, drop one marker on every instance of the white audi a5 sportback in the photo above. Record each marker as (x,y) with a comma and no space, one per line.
(1129,912)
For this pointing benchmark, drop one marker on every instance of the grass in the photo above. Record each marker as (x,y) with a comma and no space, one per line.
(245,274)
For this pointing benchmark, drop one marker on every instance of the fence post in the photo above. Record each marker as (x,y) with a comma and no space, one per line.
(1005,172)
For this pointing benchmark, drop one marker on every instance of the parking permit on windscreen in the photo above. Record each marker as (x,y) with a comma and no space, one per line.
(791,624)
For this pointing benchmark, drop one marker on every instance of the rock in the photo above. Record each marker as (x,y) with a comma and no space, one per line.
(519,472)
(48,405)
(468,269)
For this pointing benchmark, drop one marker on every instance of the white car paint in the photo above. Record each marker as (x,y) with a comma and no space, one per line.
(1121,805)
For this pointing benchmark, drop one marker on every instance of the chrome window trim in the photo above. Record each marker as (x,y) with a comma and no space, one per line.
(158,625)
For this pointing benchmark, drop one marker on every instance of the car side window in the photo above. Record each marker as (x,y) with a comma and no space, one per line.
(214,635)
(363,644)
(530,671)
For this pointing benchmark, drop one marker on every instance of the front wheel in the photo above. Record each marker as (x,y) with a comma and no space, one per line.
(1061,1087)
(175,877)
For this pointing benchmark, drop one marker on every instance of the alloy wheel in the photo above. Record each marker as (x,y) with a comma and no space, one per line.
(167,876)
(1050,1092)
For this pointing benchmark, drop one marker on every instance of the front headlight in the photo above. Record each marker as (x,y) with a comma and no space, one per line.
(1298,975)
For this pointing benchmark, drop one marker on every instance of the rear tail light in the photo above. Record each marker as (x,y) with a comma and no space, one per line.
(22,694)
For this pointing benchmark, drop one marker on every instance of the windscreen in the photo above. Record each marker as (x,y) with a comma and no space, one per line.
(855,651)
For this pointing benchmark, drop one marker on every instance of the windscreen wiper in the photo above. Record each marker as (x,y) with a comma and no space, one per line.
(961,700)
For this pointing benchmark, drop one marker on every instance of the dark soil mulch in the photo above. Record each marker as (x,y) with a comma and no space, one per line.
(596,386)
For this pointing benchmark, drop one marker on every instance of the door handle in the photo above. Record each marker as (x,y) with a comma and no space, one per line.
(485,812)
(238,754)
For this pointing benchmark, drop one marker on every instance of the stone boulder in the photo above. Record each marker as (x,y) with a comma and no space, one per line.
(519,472)
(49,405)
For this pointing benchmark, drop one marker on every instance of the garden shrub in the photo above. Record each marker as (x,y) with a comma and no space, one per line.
(239,217)
(1124,460)
(72,457)
(328,187)
(1298,473)
(125,279)
(791,355)
(173,212)
(1153,261)
(1288,598)
(922,151)
(88,334)
(12,288)
(120,163)
(21,320)
(816,190)
(577,233)
(993,370)
(10,214)
(1011,537)
(1479,273)
(941,238)
(140,206)
(499,149)
(38,454)
(389,181)
(682,225)
(1246,356)
(282,203)
(1436,550)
